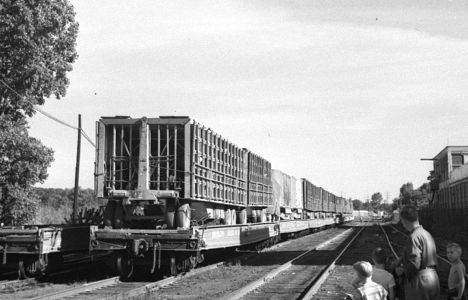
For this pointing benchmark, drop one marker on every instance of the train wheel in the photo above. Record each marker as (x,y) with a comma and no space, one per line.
(31,268)
(173,266)
(124,265)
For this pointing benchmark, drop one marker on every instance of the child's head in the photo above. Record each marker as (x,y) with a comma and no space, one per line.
(363,269)
(379,256)
(454,251)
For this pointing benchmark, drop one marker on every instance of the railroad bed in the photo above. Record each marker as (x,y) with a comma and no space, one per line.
(317,266)
(339,280)
(210,282)
(237,280)
(91,286)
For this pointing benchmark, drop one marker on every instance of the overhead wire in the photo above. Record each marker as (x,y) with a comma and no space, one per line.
(36,108)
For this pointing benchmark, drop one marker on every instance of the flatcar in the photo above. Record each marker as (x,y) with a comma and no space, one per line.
(176,189)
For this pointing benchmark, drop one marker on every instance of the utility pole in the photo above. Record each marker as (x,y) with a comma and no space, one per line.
(77,173)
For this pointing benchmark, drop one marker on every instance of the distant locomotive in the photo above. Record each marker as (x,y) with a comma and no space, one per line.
(176,189)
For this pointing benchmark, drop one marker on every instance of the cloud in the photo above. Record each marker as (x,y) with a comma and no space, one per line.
(318,96)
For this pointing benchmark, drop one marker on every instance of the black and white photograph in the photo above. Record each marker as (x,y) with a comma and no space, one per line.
(234,149)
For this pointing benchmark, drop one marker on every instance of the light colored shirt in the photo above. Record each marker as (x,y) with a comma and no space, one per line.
(420,252)
(456,274)
(372,291)
(383,278)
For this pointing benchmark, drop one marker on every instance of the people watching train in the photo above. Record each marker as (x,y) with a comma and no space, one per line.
(419,262)
(456,279)
(380,275)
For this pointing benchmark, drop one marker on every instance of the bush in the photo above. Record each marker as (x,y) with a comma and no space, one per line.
(51,215)
(18,205)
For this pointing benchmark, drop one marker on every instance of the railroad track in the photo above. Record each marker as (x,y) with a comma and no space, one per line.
(299,273)
(338,284)
(113,288)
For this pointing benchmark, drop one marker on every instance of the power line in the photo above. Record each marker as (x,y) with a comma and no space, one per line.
(36,108)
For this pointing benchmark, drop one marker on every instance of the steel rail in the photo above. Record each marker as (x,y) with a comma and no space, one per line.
(388,241)
(270,275)
(126,293)
(323,275)
(80,289)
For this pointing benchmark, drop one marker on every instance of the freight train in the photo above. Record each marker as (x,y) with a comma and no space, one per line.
(175,190)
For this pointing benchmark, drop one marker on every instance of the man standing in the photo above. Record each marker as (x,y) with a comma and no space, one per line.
(420,259)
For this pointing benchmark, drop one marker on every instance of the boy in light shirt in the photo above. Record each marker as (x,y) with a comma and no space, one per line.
(456,279)
(380,275)
(366,289)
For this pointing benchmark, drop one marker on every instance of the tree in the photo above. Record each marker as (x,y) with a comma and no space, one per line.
(23,163)
(419,197)
(406,193)
(359,205)
(37,49)
(376,201)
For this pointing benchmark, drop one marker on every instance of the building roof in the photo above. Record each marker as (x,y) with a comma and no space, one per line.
(451,148)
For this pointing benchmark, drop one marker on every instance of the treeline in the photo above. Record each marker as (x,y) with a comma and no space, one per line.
(419,197)
(56,205)
(375,204)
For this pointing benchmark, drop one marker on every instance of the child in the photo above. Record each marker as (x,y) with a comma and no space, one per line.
(380,275)
(365,287)
(456,279)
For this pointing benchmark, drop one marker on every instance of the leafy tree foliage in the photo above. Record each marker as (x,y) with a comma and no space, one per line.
(56,204)
(56,197)
(23,163)
(37,49)
(359,205)
(376,200)
(406,193)
(419,197)
(374,205)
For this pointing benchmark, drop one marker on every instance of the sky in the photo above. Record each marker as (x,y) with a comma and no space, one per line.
(349,94)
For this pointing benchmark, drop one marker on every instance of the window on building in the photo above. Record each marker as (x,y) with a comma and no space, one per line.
(457,159)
